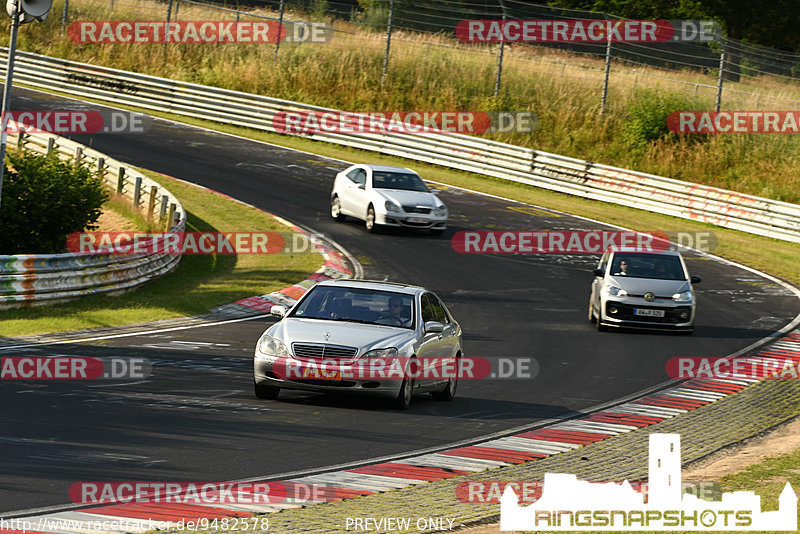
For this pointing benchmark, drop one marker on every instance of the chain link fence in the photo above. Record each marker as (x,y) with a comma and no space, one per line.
(733,73)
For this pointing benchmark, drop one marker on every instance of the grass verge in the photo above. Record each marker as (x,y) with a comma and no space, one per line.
(200,282)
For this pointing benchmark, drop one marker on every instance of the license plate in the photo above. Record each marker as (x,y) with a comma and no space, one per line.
(648,313)
(323,374)
(416,220)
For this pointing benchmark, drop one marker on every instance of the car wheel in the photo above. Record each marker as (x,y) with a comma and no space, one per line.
(370,220)
(403,399)
(449,391)
(336,209)
(265,392)
(599,324)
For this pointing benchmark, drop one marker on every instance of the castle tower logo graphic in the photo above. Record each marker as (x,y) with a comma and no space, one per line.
(569,504)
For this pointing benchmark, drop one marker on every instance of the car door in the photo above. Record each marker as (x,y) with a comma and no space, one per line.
(598,281)
(353,193)
(435,348)
(355,201)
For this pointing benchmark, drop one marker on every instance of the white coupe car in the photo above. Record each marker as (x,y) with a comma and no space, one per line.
(390,196)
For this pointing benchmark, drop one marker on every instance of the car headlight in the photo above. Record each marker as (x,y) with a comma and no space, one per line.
(270,347)
(388,354)
(615,291)
(686,296)
(440,211)
(391,206)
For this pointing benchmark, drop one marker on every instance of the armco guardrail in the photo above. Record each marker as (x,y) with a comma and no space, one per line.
(42,278)
(780,220)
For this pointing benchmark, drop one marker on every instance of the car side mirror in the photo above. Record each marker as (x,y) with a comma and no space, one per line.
(598,272)
(434,327)
(278,311)
(435,191)
(362,186)
(696,279)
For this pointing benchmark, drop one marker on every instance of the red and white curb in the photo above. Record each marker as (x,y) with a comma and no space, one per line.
(335,266)
(395,474)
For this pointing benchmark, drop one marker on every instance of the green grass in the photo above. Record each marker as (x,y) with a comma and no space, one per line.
(199,283)
(436,72)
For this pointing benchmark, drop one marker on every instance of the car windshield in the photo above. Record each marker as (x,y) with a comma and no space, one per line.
(405,181)
(357,305)
(643,265)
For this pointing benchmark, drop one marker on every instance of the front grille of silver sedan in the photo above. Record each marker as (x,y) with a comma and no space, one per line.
(416,209)
(320,351)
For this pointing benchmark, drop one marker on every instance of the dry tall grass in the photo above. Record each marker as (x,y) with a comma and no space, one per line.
(436,72)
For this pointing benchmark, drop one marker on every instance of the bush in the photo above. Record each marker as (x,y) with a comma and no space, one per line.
(646,117)
(44,200)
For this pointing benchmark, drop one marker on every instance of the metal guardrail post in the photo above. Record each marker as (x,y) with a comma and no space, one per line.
(137,192)
(101,164)
(21,140)
(121,180)
(78,155)
(51,144)
(151,203)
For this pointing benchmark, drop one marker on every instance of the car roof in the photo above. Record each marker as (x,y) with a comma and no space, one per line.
(374,285)
(386,168)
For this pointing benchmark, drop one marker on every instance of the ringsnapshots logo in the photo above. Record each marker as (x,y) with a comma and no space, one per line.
(586,31)
(76,122)
(569,504)
(197,32)
(734,122)
(73,368)
(303,122)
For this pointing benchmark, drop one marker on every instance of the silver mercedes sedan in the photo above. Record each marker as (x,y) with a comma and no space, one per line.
(651,290)
(357,336)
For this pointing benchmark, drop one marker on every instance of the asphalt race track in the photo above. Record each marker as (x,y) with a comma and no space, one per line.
(196,419)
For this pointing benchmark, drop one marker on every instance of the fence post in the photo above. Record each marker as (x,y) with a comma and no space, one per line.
(51,144)
(721,77)
(121,180)
(166,31)
(500,57)
(101,163)
(21,140)
(171,216)
(137,192)
(280,27)
(388,41)
(78,155)
(151,203)
(605,76)
(64,17)
(162,212)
